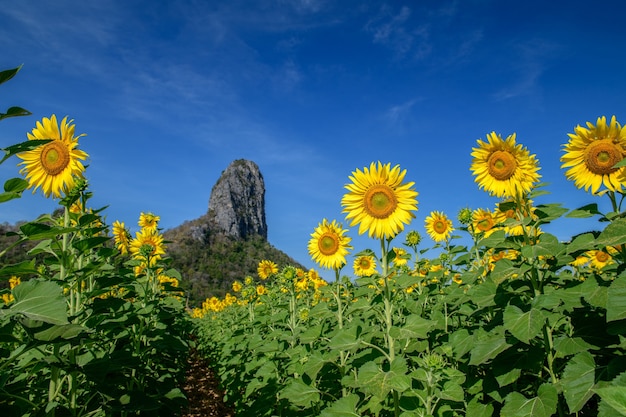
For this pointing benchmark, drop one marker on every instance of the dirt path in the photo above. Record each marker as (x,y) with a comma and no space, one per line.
(202,390)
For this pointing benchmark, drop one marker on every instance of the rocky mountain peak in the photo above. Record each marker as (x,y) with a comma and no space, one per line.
(237,201)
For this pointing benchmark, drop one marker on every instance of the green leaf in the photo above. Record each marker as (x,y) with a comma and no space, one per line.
(60,331)
(616,300)
(582,243)
(614,396)
(15,185)
(548,245)
(415,327)
(38,231)
(15,112)
(578,381)
(549,212)
(477,409)
(583,212)
(343,407)
(484,293)
(488,348)
(22,147)
(544,405)
(40,300)
(300,394)
(22,268)
(503,270)
(452,391)
(567,346)
(462,342)
(523,325)
(90,243)
(380,383)
(614,234)
(494,240)
(346,339)
(6,75)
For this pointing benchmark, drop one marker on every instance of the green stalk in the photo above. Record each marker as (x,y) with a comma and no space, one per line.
(342,354)
(388,318)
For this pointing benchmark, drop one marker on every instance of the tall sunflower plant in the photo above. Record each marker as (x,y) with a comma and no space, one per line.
(82,318)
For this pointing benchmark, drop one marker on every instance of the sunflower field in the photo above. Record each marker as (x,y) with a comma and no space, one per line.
(515,323)
(518,323)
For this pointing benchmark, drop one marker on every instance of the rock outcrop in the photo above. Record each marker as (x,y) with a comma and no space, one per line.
(237,201)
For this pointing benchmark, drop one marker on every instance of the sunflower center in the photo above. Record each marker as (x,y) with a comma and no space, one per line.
(328,244)
(440,226)
(380,201)
(365,263)
(55,157)
(602,256)
(484,224)
(501,165)
(601,155)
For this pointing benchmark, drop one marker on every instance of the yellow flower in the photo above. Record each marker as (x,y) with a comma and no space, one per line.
(599,259)
(592,153)
(483,221)
(378,200)
(237,286)
(260,289)
(149,221)
(14,281)
(328,245)
(147,246)
(8,298)
(266,269)
(54,166)
(457,279)
(580,261)
(121,236)
(402,257)
(504,168)
(364,266)
(438,226)
(302,284)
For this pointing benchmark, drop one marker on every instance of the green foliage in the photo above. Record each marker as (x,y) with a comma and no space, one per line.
(82,332)
(512,326)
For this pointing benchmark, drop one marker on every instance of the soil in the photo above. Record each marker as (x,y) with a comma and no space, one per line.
(203,391)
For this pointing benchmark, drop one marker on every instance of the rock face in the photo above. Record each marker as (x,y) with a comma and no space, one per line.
(237,202)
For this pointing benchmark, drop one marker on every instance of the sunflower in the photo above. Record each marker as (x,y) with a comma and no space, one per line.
(54,166)
(261,289)
(328,245)
(504,168)
(364,266)
(266,269)
(438,226)
(402,257)
(592,153)
(121,237)
(149,221)
(237,286)
(599,259)
(378,200)
(147,246)
(413,239)
(483,221)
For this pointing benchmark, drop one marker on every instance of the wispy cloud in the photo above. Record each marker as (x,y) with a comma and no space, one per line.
(399,114)
(528,61)
(391,29)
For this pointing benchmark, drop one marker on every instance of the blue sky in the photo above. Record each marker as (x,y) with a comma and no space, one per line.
(169,93)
